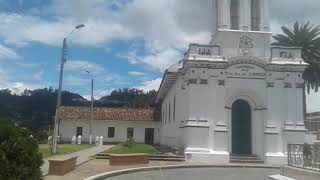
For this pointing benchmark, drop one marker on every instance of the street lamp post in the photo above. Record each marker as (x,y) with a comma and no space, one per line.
(56,119)
(91,114)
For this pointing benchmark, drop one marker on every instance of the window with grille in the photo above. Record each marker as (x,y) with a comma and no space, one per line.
(130,132)
(111,132)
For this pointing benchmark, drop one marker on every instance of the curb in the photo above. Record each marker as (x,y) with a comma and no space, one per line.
(132,170)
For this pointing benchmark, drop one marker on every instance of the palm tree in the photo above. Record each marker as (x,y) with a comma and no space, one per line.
(306,36)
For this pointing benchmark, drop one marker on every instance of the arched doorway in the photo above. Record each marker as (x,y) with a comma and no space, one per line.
(241,128)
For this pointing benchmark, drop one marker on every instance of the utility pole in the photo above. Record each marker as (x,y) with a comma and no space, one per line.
(56,119)
(92,101)
(91,117)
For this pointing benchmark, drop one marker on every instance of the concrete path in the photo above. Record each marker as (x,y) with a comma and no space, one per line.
(83,156)
(98,166)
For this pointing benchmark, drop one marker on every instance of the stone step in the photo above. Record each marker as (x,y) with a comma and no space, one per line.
(166,159)
(246,161)
(280,177)
(235,158)
(151,157)
(244,157)
(164,156)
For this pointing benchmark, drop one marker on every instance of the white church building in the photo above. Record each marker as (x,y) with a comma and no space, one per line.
(237,94)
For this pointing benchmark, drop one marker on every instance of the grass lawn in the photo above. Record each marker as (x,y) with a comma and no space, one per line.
(62,149)
(138,148)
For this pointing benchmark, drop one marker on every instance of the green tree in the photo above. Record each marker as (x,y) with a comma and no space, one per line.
(306,36)
(19,154)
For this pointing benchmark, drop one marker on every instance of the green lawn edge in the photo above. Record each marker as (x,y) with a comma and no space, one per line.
(62,149)
(137,149)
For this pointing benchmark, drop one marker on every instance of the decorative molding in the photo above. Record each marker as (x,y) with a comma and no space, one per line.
(221,82)
(299,85)
(245,45)
(221,130)
(194,126)
(271,132)
(270,84)
(287,85)
(192,81)
(204,81)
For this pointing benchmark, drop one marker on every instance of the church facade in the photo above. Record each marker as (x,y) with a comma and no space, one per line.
(237,94)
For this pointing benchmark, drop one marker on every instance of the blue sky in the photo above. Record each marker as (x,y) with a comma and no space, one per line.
(125,43)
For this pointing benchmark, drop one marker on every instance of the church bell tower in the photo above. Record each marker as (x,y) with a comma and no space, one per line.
(242,20)
(246,15)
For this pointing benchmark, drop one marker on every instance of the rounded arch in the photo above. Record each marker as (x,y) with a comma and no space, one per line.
(252,98)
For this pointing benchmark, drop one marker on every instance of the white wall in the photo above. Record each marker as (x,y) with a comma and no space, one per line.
(272,108)
(100,128)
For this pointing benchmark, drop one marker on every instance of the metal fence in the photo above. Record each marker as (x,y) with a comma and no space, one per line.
(304,156)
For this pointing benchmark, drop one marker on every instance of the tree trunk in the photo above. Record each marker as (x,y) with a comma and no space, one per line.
(304,103)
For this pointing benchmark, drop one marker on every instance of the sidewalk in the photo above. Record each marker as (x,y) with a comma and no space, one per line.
(83,156)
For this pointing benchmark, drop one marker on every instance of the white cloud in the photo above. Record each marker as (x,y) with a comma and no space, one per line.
(72,80)
(19,87)
(313,102)
(150,85)
(131,57)
(161,57)
(16,86)
(80,66)
(38,76)
(3,75)
(7,53)
(136,73)
(97,94)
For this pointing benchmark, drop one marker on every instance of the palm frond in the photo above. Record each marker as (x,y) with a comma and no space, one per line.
(307,36)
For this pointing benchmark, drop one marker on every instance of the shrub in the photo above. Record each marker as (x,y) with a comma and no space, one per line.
(19,154)
(60,141)
(130,143)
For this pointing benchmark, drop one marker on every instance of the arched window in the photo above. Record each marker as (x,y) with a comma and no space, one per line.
(234,14)
(255,15)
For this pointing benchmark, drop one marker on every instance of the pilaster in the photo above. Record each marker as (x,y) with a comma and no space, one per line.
(225,14)
(265,19)
(245,14)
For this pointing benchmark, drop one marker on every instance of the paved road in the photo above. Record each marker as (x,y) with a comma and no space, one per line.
(83,156)
(201,174)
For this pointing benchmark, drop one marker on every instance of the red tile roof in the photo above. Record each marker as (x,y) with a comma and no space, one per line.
(119,114)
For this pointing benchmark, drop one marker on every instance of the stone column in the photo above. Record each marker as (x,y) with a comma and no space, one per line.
(291,103)
(273,122)
(225,14)
(299,121)
(265,15)
(245,14)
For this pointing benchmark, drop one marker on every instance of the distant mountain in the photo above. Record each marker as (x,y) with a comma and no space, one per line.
(35,109)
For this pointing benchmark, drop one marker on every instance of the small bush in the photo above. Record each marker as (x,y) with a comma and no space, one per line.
(60,141)
(130,143)
(19,154)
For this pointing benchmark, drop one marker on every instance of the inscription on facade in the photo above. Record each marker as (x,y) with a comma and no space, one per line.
(246,71)
(286,54)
